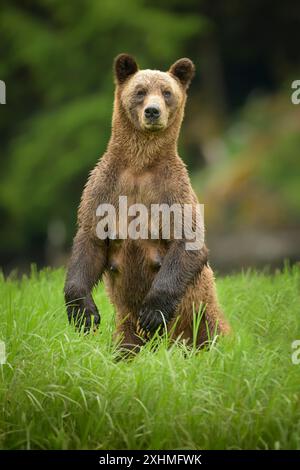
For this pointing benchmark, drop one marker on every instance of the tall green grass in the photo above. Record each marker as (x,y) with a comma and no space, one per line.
(63,390)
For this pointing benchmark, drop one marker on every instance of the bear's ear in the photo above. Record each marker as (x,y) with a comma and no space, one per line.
(184,70)
(124,66)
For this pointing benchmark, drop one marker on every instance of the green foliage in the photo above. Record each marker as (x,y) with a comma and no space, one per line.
(57,63)
(63,390)
(256,183)
(281,172)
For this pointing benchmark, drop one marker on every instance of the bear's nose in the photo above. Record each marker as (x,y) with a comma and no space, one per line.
(152,112)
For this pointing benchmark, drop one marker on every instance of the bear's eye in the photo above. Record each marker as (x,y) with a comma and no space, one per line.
(141,94)
(167,94)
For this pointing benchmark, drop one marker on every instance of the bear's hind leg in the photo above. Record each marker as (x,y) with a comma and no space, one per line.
(213,321)
(200,299)
(129,343)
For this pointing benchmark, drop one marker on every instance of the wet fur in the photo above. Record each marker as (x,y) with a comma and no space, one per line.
(142,276)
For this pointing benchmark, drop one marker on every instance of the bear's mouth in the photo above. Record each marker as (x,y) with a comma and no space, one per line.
(153,127)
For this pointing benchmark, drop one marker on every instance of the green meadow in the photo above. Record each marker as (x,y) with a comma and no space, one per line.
(60,389)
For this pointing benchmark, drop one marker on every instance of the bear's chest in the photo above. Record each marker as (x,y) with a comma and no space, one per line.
(139,188)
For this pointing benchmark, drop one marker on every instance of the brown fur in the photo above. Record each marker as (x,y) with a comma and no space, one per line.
(142,277)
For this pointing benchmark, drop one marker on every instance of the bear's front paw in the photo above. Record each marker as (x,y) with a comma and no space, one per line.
(154,315)
(84,313)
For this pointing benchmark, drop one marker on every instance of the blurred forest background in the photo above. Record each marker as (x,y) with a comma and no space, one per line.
(240,139)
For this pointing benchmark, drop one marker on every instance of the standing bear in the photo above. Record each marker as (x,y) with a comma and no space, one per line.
(154,282)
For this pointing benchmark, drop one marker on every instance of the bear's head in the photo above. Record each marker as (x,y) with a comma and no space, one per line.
(152,100)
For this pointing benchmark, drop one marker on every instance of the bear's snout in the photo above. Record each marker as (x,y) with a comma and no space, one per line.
(152,113)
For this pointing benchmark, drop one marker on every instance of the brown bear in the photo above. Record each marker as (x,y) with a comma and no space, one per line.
(153,283)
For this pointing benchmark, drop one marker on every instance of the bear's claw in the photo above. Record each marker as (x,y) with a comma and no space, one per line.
(141,332)
(151,320)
